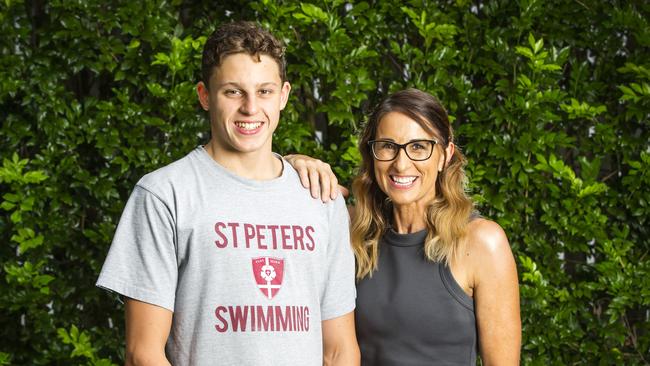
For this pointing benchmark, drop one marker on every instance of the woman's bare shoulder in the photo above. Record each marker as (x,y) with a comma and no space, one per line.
(486,236)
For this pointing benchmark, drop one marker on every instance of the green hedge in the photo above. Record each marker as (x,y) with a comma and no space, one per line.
(550,99)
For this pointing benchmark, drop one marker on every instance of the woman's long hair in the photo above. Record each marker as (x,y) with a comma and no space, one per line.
(447,216)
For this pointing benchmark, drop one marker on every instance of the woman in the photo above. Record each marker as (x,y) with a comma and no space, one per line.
(436,282)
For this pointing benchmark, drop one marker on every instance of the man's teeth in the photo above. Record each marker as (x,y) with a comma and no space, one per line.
(403,180)
(248,125)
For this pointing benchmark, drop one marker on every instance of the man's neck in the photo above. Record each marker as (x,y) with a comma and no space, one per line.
(257,165)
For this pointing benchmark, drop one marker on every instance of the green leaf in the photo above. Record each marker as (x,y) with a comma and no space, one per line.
(36,176)
(42,280)
(538,45)
(27,244)
(592,189)
(5,359)
(135,43)
(532,43)
(16,217)
(551,67)
(524,51)
(314,12)
(157,90)
(12,197)
(161,59)
(64,336)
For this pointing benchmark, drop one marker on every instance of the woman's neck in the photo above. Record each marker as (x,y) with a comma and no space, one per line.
(409,219)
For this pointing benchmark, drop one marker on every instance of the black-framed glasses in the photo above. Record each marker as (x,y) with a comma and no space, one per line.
(416,150)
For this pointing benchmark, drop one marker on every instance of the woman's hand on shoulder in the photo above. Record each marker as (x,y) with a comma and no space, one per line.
(317,176)
(496,293)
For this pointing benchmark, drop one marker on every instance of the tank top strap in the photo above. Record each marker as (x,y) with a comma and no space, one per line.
(454,288)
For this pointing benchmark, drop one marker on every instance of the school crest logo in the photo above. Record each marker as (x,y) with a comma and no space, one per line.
(268,273)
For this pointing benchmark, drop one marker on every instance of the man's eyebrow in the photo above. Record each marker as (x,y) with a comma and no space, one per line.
(228,83)
(268,83)
(237,85)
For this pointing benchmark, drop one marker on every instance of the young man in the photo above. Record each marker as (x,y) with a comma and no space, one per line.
(222,255)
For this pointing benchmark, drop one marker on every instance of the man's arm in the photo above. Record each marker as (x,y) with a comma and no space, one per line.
(340,345)
(147,329)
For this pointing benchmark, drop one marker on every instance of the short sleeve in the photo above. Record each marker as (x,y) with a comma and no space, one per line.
(141,263)
(339,295)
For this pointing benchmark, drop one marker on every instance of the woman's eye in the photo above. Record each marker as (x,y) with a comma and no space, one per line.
(417,146)
(387,146)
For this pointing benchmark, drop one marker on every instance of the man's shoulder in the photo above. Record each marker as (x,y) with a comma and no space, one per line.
(293,186)
(332,207)
(177,173)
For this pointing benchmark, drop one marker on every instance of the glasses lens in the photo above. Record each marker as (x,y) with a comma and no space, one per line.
(419,150)
(384,150)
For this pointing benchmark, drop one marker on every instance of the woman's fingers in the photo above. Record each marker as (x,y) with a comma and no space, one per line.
(315,175)
(314,184)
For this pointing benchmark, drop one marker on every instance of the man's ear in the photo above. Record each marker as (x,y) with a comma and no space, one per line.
(204,95)
(449,152)
(284,94)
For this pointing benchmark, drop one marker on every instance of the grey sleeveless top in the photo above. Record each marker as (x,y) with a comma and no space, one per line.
(412,312)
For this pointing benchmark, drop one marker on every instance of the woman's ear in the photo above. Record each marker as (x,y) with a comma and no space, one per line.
(449,152)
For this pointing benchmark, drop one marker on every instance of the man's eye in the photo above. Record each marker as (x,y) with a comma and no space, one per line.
(232,92)
(266,91)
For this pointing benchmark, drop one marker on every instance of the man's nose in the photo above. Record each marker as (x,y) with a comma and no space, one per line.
(249,105)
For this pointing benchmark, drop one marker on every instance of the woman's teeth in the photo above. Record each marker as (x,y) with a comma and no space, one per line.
(402,180)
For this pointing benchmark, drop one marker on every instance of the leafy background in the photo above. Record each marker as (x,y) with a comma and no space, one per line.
(550,101)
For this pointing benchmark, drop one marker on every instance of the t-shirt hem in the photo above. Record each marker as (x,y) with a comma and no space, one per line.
(133,292)
(327,315)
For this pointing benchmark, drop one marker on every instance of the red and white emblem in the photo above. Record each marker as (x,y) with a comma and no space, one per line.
(268,274)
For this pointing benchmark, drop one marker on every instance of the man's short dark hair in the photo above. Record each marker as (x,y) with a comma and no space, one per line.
(241,37)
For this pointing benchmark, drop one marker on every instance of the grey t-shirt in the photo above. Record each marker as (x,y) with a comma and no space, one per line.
(249,268)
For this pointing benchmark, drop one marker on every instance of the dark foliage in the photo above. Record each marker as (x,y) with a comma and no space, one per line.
(550,99)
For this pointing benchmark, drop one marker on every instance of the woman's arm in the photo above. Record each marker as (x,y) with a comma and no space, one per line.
(496,293)
(317,176)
